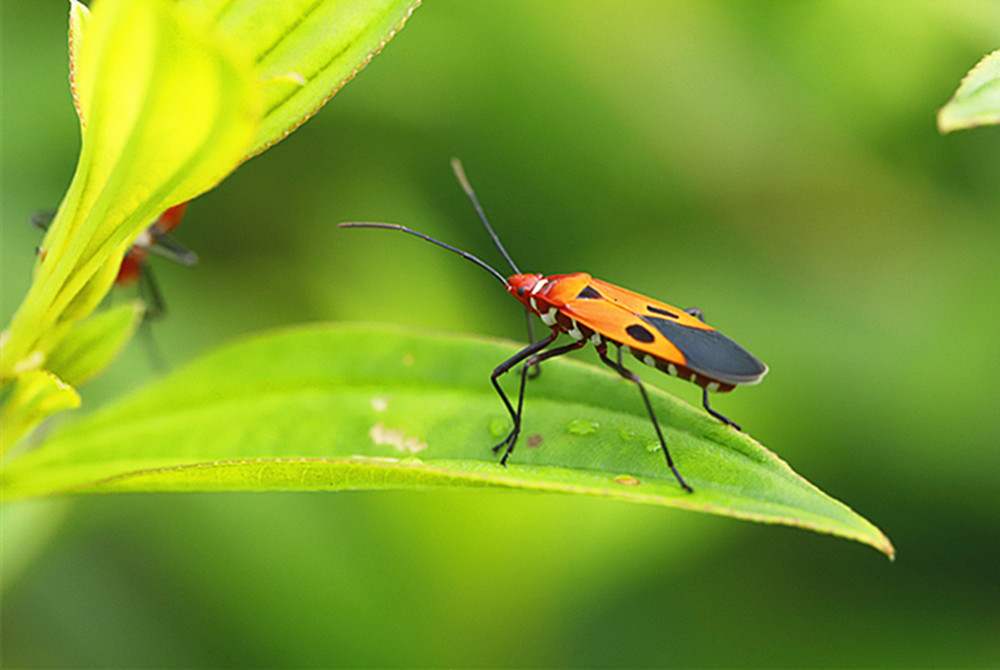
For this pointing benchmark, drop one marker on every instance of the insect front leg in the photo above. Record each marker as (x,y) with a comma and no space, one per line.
(534,360)
(503,368)
(536,369)
(516,415)
(631,376)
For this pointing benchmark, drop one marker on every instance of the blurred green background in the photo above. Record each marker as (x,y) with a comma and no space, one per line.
(774,163)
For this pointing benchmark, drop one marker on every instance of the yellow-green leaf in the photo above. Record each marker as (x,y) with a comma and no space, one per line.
(170,108)
(977,100)
(78,17)
(169,103)
(305,50)
(93,343)
(32,396)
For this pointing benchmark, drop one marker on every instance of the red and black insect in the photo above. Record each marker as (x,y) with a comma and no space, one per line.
(675,341)
(155,240)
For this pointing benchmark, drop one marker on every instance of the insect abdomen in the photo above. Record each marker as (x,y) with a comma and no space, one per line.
(577,330)
(681,371)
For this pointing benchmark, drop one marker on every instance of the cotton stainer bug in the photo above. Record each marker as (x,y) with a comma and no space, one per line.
(675,341)
(155,240)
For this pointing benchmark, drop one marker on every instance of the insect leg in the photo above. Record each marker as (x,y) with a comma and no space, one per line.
(156,358)
(721,417)
(167,247)
(511,362)
(631,376)
(511,439)
(149,290)
(536,369)
(695,312)
(156,308)
(43,218)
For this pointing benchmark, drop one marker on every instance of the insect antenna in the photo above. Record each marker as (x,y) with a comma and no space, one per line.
(456,165)
(395,226)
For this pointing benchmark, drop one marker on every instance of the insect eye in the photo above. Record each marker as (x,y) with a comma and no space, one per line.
(520,292)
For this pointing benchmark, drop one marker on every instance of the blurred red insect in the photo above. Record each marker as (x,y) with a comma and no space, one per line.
(135,269)
(675,341)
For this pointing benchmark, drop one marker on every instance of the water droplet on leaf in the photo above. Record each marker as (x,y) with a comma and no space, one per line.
(498,427)
(582,427)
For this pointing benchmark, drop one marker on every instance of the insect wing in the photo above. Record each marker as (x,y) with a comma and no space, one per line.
(620,324)
(641,305)
(665,332)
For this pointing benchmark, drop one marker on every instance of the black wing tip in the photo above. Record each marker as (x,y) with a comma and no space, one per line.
(748,380)
(710,353)
(749,372)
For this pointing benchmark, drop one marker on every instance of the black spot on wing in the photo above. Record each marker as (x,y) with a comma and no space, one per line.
(640,333)
(589,293)
(657,310)
(711,353)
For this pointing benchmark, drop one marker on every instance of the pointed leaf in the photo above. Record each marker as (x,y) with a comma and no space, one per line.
(305,50)
(977,100)
(33,396)
(170,109)
(93,343)
(79,15)
(332,408)
(164,97)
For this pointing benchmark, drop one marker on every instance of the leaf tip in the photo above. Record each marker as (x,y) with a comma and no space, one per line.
(885,546)
(975,102)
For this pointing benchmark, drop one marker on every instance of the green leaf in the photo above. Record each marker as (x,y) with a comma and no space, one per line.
(93,343)
(304,50)
(977,100)
(332,408)
(30,398)
(168,105)
(168,109)
(79,15)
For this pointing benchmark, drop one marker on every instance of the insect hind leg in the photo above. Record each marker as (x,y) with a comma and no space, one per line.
(718,415)
(631,376)
(696,313)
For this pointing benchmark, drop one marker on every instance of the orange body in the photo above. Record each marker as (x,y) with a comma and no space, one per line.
(131,267)
(659,335)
